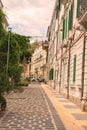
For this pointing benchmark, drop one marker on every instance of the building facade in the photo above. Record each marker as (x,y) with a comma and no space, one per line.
(67,35)
(39,63)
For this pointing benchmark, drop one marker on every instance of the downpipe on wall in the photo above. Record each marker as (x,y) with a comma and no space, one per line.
(83,98)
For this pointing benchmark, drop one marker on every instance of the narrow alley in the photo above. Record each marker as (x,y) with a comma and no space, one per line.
(40,108)
(30,110)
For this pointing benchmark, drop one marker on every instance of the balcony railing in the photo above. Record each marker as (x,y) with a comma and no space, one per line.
(82,13)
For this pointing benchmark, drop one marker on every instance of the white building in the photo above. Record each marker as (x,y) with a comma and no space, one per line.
(67,35)
(39,62)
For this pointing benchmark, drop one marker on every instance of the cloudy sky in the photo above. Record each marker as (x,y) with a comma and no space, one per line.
(29,17)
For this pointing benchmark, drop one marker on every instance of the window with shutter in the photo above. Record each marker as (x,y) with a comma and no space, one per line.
(49,36)
(59,4)
(77,9)
(52,73)
(57,9)
(74,69)
(66,28)
(63,29)
(69,21)
(70,18)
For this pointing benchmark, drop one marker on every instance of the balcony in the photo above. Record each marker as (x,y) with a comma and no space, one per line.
(65,2)
(82,16)
(45,45)
(65,43)
(43,66)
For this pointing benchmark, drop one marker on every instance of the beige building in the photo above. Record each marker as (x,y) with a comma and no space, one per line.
(38,62)
(67,62)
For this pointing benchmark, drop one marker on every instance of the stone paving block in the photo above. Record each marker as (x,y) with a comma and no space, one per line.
(80,116)
(85,127)
(70,106)
(29,111)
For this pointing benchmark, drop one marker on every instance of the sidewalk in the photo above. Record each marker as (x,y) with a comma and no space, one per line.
(70,114)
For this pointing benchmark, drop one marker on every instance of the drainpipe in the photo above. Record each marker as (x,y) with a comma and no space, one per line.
(56,49)
(83,67)
(56,57)
(68,77)
(60,69)
(69,58)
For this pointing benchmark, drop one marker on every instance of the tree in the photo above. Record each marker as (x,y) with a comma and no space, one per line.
(18,53)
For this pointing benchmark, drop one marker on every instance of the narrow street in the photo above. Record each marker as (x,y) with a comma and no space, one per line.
(30,110)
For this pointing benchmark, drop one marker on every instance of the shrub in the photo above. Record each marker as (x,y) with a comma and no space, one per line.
(27,79)
(2,103)
(23,83)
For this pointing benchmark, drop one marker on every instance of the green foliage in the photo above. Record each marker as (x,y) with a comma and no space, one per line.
(2,30)
(25,56)
(19,52)
(2,103)
(27,79)
(23,83)
(2,99)
(22,45)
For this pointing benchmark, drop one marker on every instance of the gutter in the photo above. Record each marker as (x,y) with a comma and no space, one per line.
(68,71)
(83,67)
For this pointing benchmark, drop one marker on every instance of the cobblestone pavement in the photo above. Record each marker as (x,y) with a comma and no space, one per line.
(30,110)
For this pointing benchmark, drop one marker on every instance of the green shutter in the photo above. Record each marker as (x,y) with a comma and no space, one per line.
(70,18)
(74,69)
(51,73)
(66,28)
(49,36)
(59,4)
(69,21)
(77,9)
(57,9)
(63,29)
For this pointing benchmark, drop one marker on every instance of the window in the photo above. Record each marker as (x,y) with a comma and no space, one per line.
(51,73)
(63,32)
(49,37)
(67,23)
(65,27)
(59,4)
(57,9)
(56,75)
(77,9)
(70,18)
(74,69)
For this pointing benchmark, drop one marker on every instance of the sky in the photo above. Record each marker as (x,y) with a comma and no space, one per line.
(29,17)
